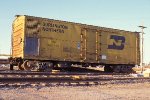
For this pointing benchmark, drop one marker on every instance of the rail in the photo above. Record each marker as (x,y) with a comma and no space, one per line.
(57,74)
(4,61)
(62,80)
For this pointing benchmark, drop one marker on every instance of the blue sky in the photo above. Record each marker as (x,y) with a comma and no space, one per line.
(120,14)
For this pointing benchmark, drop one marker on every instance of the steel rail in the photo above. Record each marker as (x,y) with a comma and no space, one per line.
(51,80)
(57,74)
(62,80)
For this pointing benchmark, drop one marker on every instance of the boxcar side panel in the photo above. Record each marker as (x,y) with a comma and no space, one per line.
(118,48)
(57,40)
(66,41)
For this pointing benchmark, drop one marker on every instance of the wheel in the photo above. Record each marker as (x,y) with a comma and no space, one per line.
(126,69)
(63,64)
(116,69)
(20,67)
(11,67)
(26,66)
(85,65)
(108,69)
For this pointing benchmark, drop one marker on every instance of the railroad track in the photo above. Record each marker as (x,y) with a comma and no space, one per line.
(56,73)
(59,74)
(13,78)
(30,82)
(56,79)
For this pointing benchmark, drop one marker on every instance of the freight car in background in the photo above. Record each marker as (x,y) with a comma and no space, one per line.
(41,43)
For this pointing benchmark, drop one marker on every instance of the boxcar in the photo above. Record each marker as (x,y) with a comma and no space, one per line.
(42,43)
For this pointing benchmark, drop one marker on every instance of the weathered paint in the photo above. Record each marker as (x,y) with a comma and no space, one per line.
(18,30)
(67,41)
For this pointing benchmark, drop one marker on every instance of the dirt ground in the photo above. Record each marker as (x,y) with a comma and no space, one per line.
(138,91)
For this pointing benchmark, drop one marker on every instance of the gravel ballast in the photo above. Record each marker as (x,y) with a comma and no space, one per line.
(137,91)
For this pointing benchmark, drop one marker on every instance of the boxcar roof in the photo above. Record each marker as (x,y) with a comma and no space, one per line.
(84,25)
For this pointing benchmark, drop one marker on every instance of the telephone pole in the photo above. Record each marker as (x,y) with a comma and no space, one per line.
(142,52)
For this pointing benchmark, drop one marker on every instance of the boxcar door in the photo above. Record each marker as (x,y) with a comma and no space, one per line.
(89,47)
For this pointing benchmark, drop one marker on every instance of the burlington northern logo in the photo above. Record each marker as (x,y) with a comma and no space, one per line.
(118,42)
